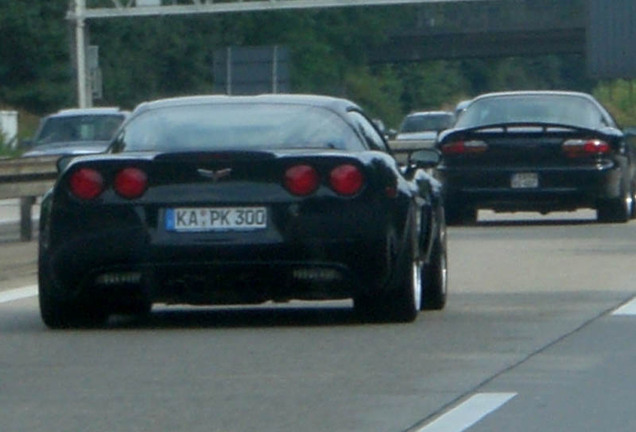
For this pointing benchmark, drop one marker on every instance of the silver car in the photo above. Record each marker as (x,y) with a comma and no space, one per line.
(75,131)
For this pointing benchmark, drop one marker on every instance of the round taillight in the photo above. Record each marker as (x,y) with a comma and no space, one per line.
(130,183)
(301,179)
(86,183)
(346,179)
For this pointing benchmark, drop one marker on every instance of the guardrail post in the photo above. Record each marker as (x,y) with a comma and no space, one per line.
(26,219)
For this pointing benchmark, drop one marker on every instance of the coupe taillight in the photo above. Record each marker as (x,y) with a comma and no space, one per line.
(304,179)
(581,147)
(301,179)
(464,147)
(130,183)
(86,183)
(89,183)
(346,179)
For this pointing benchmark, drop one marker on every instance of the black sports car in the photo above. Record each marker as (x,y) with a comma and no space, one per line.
(536,151)
(215,200)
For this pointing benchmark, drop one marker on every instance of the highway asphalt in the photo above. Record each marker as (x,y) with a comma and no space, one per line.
(531,340)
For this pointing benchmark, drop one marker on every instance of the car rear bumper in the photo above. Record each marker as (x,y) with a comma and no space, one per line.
(118,260)
(557,188)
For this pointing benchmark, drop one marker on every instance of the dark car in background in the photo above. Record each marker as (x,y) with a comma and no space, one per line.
(216,200)
(536,151)
(425,125)
(75,131)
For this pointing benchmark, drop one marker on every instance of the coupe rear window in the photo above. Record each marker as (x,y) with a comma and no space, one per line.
(561,109)
(238,126)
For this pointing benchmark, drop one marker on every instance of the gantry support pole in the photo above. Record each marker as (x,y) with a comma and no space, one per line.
(80,54)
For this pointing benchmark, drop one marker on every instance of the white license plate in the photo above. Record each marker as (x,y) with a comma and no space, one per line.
(216,219)
(524,181)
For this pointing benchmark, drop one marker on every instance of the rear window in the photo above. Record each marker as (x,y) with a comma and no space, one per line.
(561,109)
(238,126)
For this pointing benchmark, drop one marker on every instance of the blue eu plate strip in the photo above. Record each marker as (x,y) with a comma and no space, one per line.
(169,219)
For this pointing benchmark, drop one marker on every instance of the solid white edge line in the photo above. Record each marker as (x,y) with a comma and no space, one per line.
(468,413)
(18,294)
(628,308)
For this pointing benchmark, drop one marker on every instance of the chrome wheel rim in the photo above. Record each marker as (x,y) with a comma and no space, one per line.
(444,275)
(416,283)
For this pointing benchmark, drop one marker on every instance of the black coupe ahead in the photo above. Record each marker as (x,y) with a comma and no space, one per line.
(536,151)
(217,200)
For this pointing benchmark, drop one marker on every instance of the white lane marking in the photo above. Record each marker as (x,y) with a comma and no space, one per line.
(628,308)
(18,294)
(468,413)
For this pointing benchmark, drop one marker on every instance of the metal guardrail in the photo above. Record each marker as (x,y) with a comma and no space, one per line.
(26,179)
(20,177)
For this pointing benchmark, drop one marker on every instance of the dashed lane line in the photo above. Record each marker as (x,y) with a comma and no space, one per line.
(468,413)
(18,294)
(628,308)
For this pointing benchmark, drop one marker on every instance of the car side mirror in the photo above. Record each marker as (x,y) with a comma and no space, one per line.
(425,158)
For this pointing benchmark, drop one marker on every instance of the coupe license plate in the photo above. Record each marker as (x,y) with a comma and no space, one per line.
(216,219)
(524,181)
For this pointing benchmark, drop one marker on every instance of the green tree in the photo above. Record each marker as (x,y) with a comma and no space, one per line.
(619,96)
(34,55)
(140,60)
(152,57)
(431,85)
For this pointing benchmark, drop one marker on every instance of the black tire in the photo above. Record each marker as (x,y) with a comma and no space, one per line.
(403,302)
(457,214)
(614,211)
(60,312)
(435,277)
(400,304)
(618,210)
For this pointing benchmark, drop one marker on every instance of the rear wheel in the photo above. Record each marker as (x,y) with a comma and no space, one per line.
(401,303)
(457,214)
(405,299)
(59,312)
(435,278)
(65,313)
(618,210)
